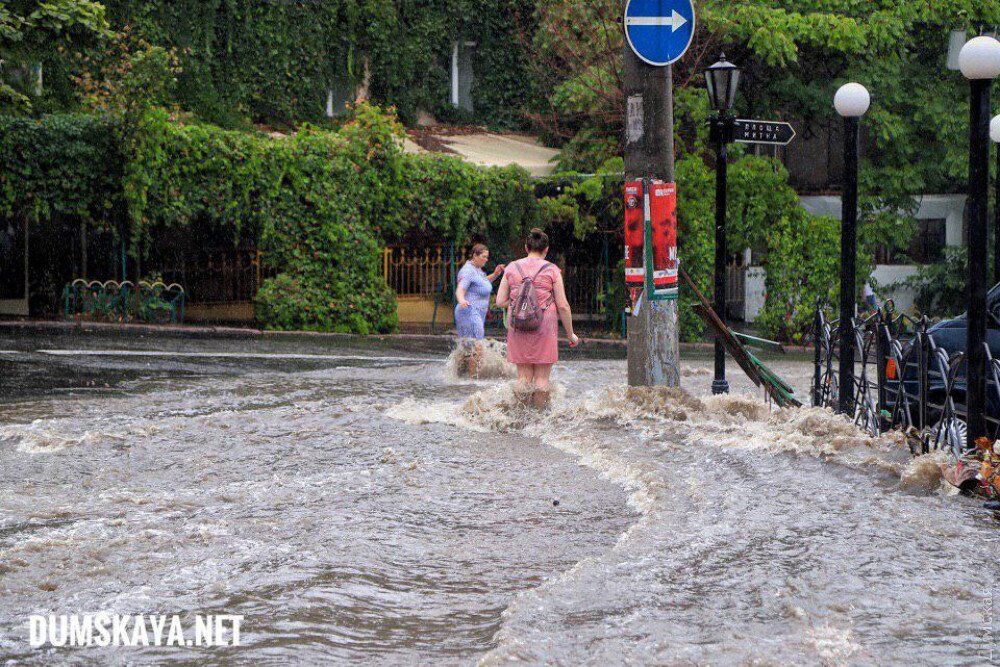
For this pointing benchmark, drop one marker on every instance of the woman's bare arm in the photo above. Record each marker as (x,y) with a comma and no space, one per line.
(460,297)
(562,304)
(503,293)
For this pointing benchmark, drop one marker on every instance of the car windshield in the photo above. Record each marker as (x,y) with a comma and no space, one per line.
(992,301)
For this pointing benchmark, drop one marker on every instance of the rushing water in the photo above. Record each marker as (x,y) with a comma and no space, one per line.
(383,511)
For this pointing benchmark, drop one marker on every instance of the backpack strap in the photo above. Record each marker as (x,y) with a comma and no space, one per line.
(544,266)
(517,265)
(539,272)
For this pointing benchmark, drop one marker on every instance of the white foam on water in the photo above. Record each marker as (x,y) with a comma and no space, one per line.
(924,472)
(493,362)
(670,418)
(833,645)
(53,435)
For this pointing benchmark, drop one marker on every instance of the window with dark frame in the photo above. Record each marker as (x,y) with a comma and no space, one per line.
(927,246)
(929,243)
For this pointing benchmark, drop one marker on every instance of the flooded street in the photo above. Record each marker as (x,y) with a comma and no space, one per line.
(364,506)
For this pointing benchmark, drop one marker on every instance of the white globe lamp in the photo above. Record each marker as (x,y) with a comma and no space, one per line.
(852,100)
(980,58)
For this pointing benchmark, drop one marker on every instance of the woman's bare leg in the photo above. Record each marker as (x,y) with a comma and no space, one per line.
(525,382)
(475,359)
(526,374)
(543,391)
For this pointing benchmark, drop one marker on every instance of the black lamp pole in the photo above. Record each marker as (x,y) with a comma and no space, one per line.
(722,129)
(979,175)
(848,263)
(996,222)
(722,79)
(852,102)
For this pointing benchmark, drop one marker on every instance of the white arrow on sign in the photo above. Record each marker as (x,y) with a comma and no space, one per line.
(676,21)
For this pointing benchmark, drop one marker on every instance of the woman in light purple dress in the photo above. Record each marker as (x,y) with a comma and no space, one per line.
(473,296)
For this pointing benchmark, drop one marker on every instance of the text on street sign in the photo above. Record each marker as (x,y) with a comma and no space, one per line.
(773,132)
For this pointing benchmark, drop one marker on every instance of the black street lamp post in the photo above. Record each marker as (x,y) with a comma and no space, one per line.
(995,136)
(723,79)
(852,102)
(979,61)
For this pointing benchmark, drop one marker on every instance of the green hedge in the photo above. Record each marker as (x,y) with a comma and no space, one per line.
(319,204)
(66,166)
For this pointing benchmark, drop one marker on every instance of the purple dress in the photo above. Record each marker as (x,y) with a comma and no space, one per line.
(471,321)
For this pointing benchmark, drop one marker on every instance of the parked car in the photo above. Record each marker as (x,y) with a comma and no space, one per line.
(951,337)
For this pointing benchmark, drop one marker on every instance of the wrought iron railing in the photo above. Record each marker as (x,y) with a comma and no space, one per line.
(419,272)
(904,379)
(113,301)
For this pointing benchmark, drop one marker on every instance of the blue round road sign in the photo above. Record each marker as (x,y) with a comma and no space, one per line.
(659,31)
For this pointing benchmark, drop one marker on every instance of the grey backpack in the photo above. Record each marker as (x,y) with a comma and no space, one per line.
(526,314)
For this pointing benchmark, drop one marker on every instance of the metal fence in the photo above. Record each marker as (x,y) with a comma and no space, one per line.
(230,276)
(904,379)
(419,271)
(587,289)
(431,272)
(113,301)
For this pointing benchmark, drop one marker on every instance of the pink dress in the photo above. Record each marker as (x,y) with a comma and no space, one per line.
(541,346)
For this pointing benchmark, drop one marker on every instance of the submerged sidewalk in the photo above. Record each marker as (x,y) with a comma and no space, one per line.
(20,331)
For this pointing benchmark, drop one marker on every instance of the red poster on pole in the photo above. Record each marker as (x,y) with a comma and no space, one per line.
(663,215)
(634,231)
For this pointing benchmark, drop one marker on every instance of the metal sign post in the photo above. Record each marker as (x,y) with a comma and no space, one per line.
(725,130)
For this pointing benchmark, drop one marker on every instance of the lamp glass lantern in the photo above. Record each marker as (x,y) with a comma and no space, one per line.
(956,40)
(723,79)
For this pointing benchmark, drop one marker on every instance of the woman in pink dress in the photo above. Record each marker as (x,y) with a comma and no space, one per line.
(534,352)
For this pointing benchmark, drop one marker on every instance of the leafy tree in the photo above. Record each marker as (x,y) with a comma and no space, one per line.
(794,54)
(34,34)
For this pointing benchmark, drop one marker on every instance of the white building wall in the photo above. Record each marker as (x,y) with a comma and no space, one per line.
(950,208)
(891,274)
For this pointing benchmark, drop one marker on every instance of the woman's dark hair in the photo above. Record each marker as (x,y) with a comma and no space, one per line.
(477,250)
(537,241)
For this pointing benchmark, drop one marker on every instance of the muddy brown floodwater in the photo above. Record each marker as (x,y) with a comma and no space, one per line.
(369,507)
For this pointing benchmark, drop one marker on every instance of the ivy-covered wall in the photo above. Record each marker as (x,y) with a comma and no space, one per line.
(49,169)
(273,61)
(319,204)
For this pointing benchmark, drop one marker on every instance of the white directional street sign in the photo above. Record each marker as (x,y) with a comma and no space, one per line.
(659,31)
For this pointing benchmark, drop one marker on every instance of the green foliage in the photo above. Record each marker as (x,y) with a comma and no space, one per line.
(273,62)
(941,288)
(310,200)
(46,34)
(59,167)
(455,200)
(128,77)
(318,204)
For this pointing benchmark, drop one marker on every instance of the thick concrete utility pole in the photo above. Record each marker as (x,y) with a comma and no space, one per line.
(653,353)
